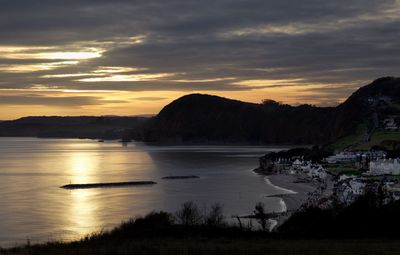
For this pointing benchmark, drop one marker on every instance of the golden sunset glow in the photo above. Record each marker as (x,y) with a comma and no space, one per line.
(4,49)
(278,82)
(68,84)
(127,65)
(121,118)
(65,75)
(29,53)
(83,207)
(61,59)
(138,103)
(70,55)
(117,69)
(132,77)
(29,68)
(206,80)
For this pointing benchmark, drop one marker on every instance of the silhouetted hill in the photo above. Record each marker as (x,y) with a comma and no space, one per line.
(368,104)
(106,127)
(199,118)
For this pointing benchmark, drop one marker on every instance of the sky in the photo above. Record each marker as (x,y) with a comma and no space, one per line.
(132,57)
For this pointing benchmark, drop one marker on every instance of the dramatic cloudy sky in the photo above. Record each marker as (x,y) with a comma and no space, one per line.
(95,57)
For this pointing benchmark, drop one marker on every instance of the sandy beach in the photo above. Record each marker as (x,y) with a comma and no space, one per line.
(293,194)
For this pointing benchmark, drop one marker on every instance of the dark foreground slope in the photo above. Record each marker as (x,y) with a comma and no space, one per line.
(71,127)
(201,118)
(363,228)
(221,246)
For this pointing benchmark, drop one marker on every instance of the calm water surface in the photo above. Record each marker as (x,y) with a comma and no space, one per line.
(32,206)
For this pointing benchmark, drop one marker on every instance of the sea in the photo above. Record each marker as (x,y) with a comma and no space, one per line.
(33,207)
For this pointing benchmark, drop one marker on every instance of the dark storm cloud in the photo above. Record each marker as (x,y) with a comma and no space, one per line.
(346,43)
(83,19)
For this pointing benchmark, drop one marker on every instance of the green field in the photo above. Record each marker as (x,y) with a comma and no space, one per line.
(378,137)
(339,169)
(356,140)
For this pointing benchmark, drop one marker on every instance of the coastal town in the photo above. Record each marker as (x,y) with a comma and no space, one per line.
(340,178)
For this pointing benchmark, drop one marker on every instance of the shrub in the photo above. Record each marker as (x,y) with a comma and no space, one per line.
(261,216)
(189,214)
(216,216)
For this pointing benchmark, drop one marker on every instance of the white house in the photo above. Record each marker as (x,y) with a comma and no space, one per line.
(297,164)
(314,171)
(390,124)
(384,166)
(394,189)
(350,188)
(357,187)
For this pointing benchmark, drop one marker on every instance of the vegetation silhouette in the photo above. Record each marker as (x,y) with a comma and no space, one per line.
(360,228)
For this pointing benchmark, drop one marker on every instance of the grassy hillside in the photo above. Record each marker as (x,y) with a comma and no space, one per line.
(378,138)
(355,138)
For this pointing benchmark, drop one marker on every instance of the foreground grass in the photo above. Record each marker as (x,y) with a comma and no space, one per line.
(216,246)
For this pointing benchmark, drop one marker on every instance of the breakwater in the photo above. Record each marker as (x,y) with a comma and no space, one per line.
(107,185)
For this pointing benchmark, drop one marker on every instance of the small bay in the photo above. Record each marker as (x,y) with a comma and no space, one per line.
(34,207)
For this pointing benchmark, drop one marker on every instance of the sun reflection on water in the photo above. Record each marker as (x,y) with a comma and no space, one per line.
(81,167)
(82,214)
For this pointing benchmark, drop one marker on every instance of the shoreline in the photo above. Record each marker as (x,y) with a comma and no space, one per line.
(293,194)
